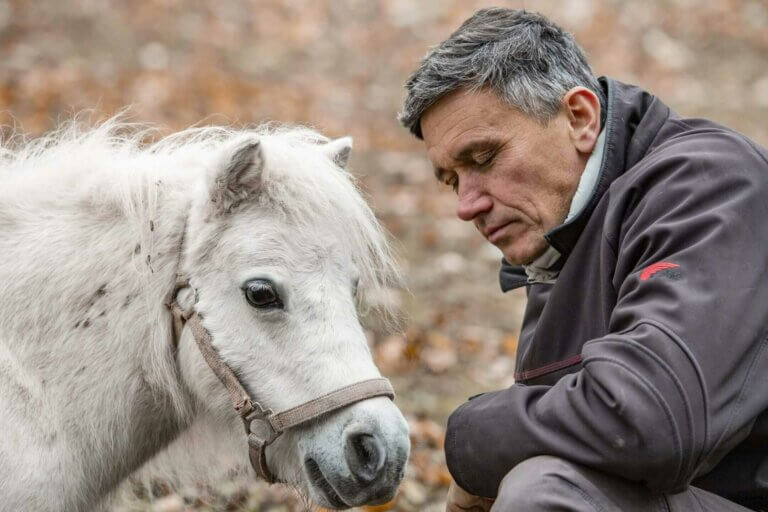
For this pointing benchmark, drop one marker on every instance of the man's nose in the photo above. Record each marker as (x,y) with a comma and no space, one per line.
(471,204)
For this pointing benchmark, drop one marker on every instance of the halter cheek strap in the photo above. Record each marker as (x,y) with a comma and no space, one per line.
(262,426)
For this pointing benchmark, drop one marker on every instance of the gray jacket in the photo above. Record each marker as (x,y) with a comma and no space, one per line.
(648,357)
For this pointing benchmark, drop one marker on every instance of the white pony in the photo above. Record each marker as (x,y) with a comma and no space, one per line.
(280,250)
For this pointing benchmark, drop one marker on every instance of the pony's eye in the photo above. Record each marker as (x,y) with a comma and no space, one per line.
(355,286)
(261,293)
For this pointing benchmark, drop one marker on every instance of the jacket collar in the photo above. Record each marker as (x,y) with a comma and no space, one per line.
(633,119)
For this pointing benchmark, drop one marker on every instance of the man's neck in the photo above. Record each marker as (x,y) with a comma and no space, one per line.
(545,268)
(588,178)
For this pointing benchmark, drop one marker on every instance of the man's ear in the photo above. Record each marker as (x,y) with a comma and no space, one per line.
(338,150)
(582,108)
(238,177)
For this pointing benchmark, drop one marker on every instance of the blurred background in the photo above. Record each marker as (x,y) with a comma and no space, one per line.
(339,66)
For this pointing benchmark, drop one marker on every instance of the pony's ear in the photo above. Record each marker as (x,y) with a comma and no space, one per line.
(338,150)
(239,175)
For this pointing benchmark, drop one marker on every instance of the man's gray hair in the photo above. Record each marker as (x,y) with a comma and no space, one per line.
(526,59)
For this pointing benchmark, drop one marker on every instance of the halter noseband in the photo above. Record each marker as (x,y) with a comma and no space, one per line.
(262,426)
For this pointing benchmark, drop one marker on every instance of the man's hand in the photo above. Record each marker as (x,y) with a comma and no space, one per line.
(460,500)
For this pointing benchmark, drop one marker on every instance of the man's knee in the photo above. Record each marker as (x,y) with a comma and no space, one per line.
(541,483)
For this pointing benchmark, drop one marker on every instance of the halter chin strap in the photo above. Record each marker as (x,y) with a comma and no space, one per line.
(262,426)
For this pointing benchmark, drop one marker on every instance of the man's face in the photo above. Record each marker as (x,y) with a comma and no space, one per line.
(514,178)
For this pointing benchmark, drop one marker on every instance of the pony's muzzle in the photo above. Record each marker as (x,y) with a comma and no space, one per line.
(361,463)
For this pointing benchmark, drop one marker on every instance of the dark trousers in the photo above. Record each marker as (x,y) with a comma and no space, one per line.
(550,484)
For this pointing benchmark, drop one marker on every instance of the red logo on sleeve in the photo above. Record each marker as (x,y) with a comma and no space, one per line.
(671,270)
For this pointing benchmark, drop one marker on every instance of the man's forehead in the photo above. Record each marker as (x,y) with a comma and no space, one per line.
(462,113)
(459,123)
(458,107)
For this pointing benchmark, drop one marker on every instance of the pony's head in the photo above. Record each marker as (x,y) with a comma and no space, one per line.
(281,250)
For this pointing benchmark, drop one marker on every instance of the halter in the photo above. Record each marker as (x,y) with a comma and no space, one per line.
(262,426)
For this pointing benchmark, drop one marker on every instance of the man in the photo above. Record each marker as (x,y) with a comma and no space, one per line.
(642,369)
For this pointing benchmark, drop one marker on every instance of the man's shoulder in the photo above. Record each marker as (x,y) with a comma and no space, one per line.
(700,170)
(696,151)
(705,139)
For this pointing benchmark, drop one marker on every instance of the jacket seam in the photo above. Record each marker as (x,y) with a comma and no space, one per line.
(740,397)
(614,251)
(677,442)
(699,376)
(645,139)
(611,244)
(754,148)
(697,370)
(459,470)
(693,362)
(589,500)
(680,390)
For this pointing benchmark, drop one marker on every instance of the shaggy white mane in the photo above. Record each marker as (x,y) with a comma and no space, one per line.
(134,159)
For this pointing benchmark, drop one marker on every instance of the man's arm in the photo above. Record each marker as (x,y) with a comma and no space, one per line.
(683,372)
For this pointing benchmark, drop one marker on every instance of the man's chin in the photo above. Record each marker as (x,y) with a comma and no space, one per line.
(516,254)
(517,262)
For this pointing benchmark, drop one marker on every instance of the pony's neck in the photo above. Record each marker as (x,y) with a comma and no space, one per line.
(84,279)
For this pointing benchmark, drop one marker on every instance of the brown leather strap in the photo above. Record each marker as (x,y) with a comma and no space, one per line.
(257,453)
(240,399)
(332,401)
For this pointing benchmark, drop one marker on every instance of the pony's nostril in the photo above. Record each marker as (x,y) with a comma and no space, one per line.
(365,456)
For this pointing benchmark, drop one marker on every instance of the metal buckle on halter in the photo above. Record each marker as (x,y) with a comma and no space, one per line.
(261,434)
(258,424)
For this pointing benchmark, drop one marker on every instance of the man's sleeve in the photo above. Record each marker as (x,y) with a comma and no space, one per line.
(683,372)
